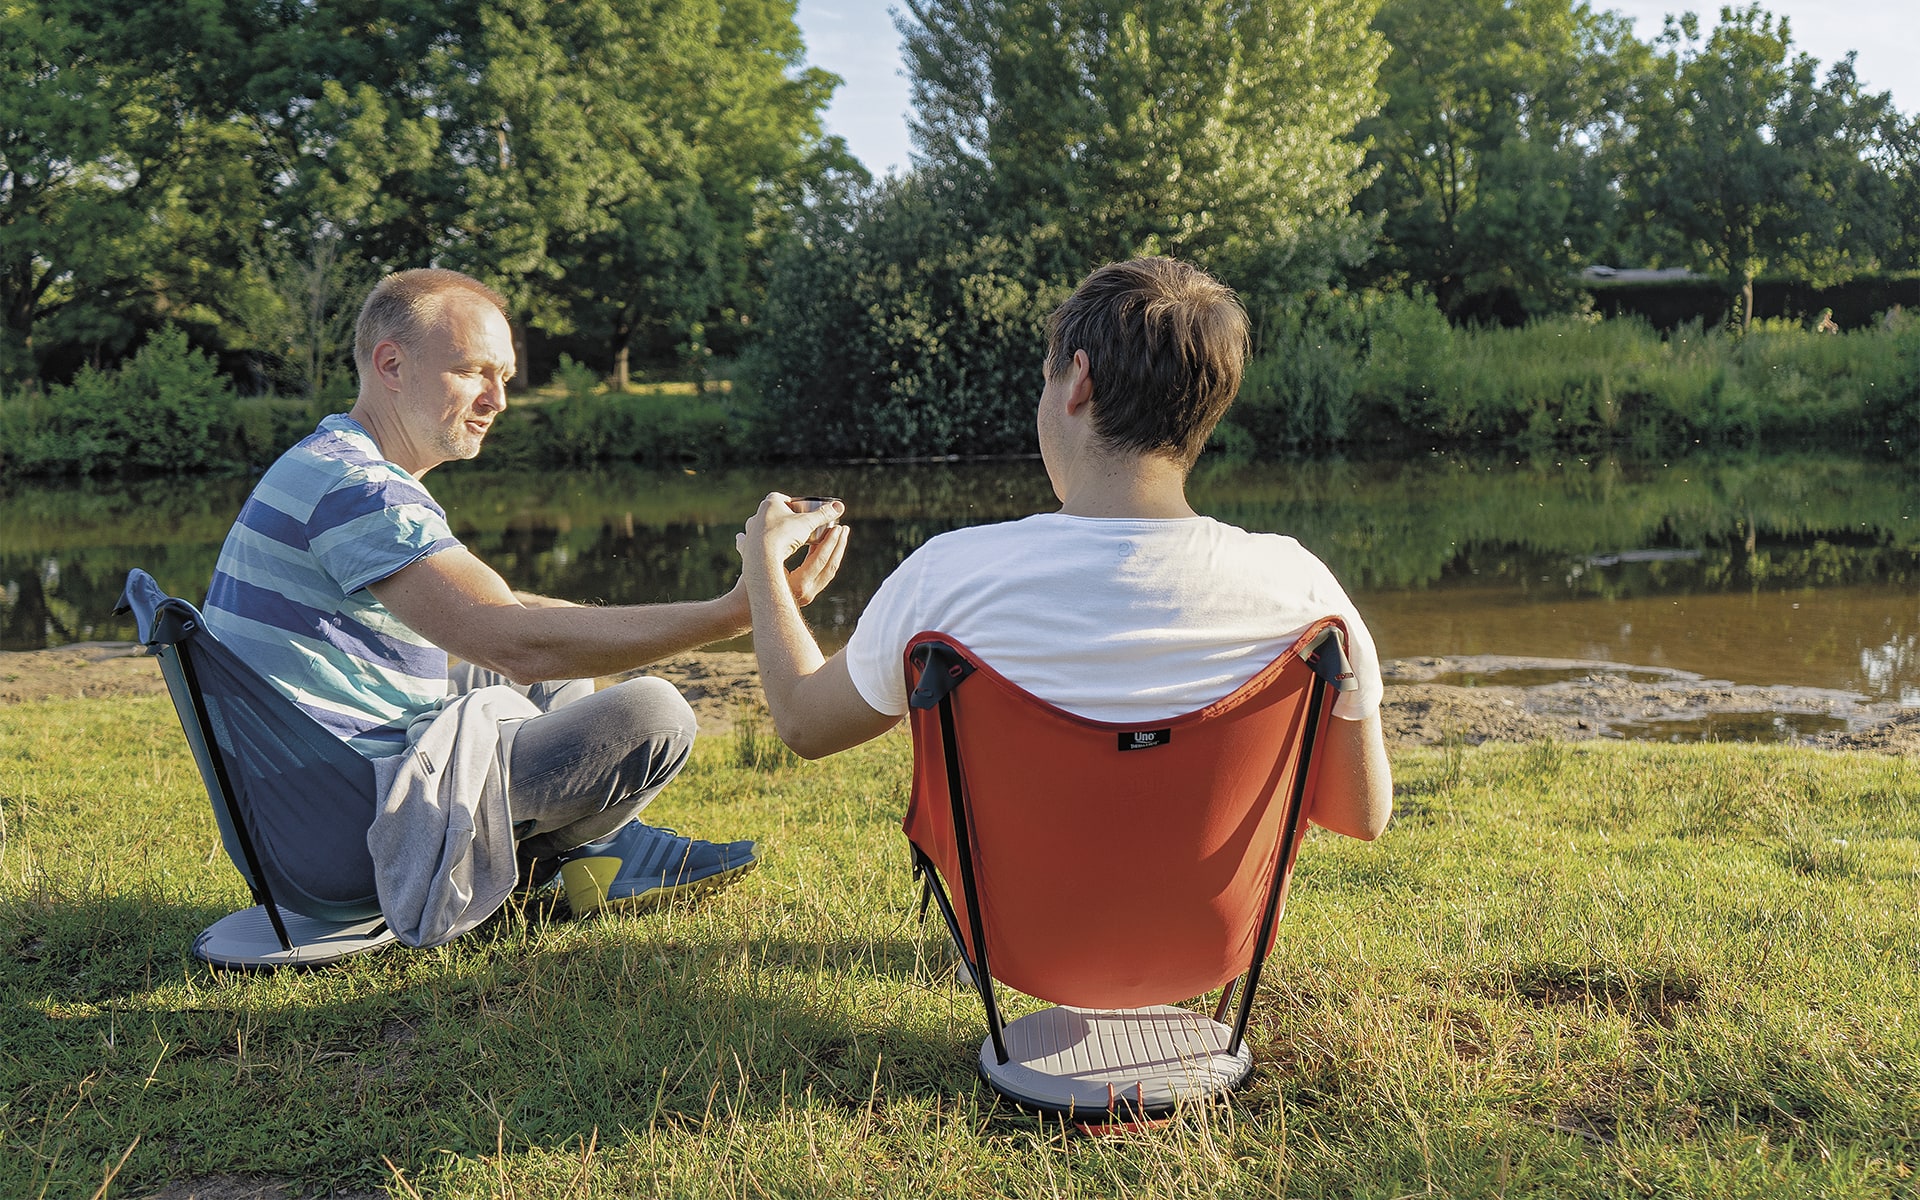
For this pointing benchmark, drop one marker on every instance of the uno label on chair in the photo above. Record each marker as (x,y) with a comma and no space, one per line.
(1145,739)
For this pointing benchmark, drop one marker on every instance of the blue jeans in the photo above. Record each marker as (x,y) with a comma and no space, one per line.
(591,760)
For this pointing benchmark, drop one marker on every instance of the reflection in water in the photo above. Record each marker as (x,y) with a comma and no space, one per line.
(1803,636)
(1768,570)
(1891,668)
(1730,727)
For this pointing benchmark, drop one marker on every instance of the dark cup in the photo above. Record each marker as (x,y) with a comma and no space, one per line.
(809,504)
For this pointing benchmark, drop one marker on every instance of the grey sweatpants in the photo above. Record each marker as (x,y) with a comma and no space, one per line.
(591,760)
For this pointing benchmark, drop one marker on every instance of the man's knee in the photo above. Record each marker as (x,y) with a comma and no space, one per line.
(652,705)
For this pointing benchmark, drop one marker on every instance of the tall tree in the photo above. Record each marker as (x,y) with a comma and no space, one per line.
(1755,163)
(622,160)
(619,167)
(1903,169)
(1214,129)
(1497,147)
(113,160)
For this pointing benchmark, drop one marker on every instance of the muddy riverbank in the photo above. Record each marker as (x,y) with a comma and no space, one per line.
(1429,700)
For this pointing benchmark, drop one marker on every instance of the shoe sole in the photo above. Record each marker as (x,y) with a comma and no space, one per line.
(587,891)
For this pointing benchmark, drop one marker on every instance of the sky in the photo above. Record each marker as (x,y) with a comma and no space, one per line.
(856,40)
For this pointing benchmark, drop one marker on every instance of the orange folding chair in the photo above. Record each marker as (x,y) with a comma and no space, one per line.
(1113,870)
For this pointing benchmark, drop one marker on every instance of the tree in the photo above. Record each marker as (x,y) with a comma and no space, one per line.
(623,160)
(1904,171)
(1052,135)
(901,322)
(1497,148)
(245,167)
(109,160)
(1753,163)
(301,308)
(1214,130)
(347,101)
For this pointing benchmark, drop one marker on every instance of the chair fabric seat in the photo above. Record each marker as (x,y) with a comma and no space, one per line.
(1113,869)
(1141,1062)
(304,797)
(1113,878)
(291,800)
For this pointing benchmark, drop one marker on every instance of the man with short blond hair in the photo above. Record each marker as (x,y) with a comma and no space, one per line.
(1124,605)
(343,584)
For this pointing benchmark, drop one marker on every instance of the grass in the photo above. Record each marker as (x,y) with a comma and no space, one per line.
(1576,381)
(1620,379)
(1568,969)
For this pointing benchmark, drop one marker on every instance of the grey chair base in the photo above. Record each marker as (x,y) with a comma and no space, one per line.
(245,941)
(1092,1065)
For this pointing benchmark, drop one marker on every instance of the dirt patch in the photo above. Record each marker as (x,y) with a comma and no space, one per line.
(1487,698)
(1427,714)
(78,671)
(719,684)
(1429,701)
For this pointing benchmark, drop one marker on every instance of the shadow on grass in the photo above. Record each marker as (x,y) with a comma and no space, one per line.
(1655,996)
(525,1035)
(89,949)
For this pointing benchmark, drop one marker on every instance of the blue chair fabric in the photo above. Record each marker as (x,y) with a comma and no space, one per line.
(292,801)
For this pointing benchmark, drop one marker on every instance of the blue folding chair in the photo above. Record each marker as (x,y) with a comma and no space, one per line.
(285,792)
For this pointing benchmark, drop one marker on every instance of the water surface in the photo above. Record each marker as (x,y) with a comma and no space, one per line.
(1801,569)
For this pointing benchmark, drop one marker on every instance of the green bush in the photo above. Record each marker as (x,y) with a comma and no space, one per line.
(1580,381)
(264,426)
(580,381)
(167,409)
(1406,365)
(1298,391)
(1902,401)
(898,325)
(653,430)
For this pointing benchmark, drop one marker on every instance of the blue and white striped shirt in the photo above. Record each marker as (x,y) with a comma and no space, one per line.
(289,593)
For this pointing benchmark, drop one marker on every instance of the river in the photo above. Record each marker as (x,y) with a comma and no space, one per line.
(1800,569)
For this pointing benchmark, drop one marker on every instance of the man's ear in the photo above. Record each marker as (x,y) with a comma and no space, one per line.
(1080,383)
(387,356)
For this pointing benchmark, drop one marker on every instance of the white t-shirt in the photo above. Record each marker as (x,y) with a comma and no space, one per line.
(1112,619)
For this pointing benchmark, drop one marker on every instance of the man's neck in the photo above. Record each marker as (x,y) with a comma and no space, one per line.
(388,434)
(1136,486)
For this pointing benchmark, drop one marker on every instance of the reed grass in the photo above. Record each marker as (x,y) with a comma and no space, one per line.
(1390,369)
(1566,970)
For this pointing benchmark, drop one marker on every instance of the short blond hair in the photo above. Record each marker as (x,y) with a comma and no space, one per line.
(405,303)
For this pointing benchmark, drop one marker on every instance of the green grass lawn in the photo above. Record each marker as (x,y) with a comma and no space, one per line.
(1592,969)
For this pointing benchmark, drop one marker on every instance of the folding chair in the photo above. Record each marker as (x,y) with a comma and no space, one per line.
(284,791)
(1113,870)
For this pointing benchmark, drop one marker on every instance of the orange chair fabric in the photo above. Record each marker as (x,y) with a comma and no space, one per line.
(1114,877)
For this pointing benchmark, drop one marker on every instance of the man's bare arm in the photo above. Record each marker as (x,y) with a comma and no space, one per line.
(816,708)
(1354,792)
(463,606)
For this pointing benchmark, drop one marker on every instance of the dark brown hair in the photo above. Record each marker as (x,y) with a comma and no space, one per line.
(1166,344)
(405,303)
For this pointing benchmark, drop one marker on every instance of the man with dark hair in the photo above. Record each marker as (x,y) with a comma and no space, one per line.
(1124,605)
(342,583)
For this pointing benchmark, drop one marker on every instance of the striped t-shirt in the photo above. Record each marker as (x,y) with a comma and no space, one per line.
(289,593)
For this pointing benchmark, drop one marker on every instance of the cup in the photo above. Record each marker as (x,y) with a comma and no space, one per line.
(809,504)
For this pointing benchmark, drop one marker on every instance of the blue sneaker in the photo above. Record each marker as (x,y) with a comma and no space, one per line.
(642,867)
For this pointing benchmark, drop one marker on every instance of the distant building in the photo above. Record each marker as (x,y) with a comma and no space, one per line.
(1635,274)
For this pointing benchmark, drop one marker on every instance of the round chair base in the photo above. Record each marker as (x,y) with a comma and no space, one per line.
(245,941)
(1090,1064)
